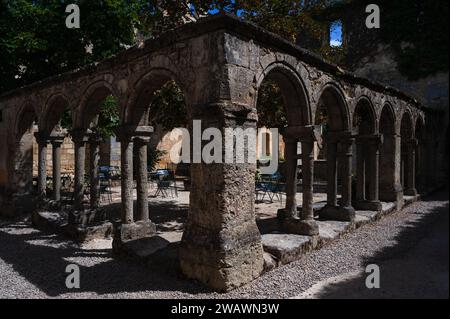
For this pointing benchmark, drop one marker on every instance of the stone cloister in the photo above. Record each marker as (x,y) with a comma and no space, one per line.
(220,63)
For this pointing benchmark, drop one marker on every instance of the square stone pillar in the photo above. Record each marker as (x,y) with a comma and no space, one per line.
(221,245)
(411,168)
(390,186)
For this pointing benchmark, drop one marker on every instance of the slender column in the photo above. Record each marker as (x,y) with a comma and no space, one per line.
(308,179)
(142,179)
(79,138)
(291,178)
(360,171)
(56,150)
(94,159)
(346,160)
(42,167)
(332,173)
(126,146)
(411,168)
(374,167)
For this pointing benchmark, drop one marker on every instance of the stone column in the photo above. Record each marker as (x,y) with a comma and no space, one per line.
(368,152)
(126,148)
(291,177)
(79,138)
(221,243)
(141,144)
(332,173)
(345,210)
(131,229)
(360,171)
(345,156)
(56,150)
(411,168)
(390,189)
(42,141)
(291,223)
(94,159)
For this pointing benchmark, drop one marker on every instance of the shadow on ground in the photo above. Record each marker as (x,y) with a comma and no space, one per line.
(415,267)
(42,259)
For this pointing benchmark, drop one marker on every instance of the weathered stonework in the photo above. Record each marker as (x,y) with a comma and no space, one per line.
(219,63)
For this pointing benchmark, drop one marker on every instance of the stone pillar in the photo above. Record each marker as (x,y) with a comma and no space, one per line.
(56,150)
(221,243)
(368,153)
(390,188)
(411,168)
(132,229)
(332,173)
(345,157)
(291,177)
(94,159)
(42,141)
(290,221)
(142,179)
(79,138)
(360,171)
(344,211)
(126,148)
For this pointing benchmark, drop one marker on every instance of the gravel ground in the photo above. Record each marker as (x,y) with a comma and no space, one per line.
(405,245)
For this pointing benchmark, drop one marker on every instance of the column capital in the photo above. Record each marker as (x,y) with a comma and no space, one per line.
(308,133)
(42,137)
(373,139)
(80,135)
(131,132)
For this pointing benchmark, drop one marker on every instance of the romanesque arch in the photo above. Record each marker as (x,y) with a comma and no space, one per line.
(367,155)
(339,143)
(22,160)
(408,149)
(390,186)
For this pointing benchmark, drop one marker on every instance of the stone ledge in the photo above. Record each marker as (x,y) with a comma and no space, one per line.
(55,223)
(281,249)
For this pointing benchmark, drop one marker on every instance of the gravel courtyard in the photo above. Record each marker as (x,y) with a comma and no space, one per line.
(410,247)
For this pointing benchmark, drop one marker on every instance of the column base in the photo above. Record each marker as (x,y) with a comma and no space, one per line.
(338,213)
(368,205)
(300,227)
(394,195)
(223,260)
(124,233)
(411,192)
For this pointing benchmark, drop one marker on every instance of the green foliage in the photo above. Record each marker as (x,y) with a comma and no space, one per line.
(154,157)
(35,43)
(418,32)
(66,119)
(109,118)
(168,107)
(271,111)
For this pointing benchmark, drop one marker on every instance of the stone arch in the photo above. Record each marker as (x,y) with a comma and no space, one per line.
(54,108)
(364,117)
(21,162)
(387,180)
(89,106)
(407,150)
(420,167)
(332,98)
(137,110)
(293,90)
